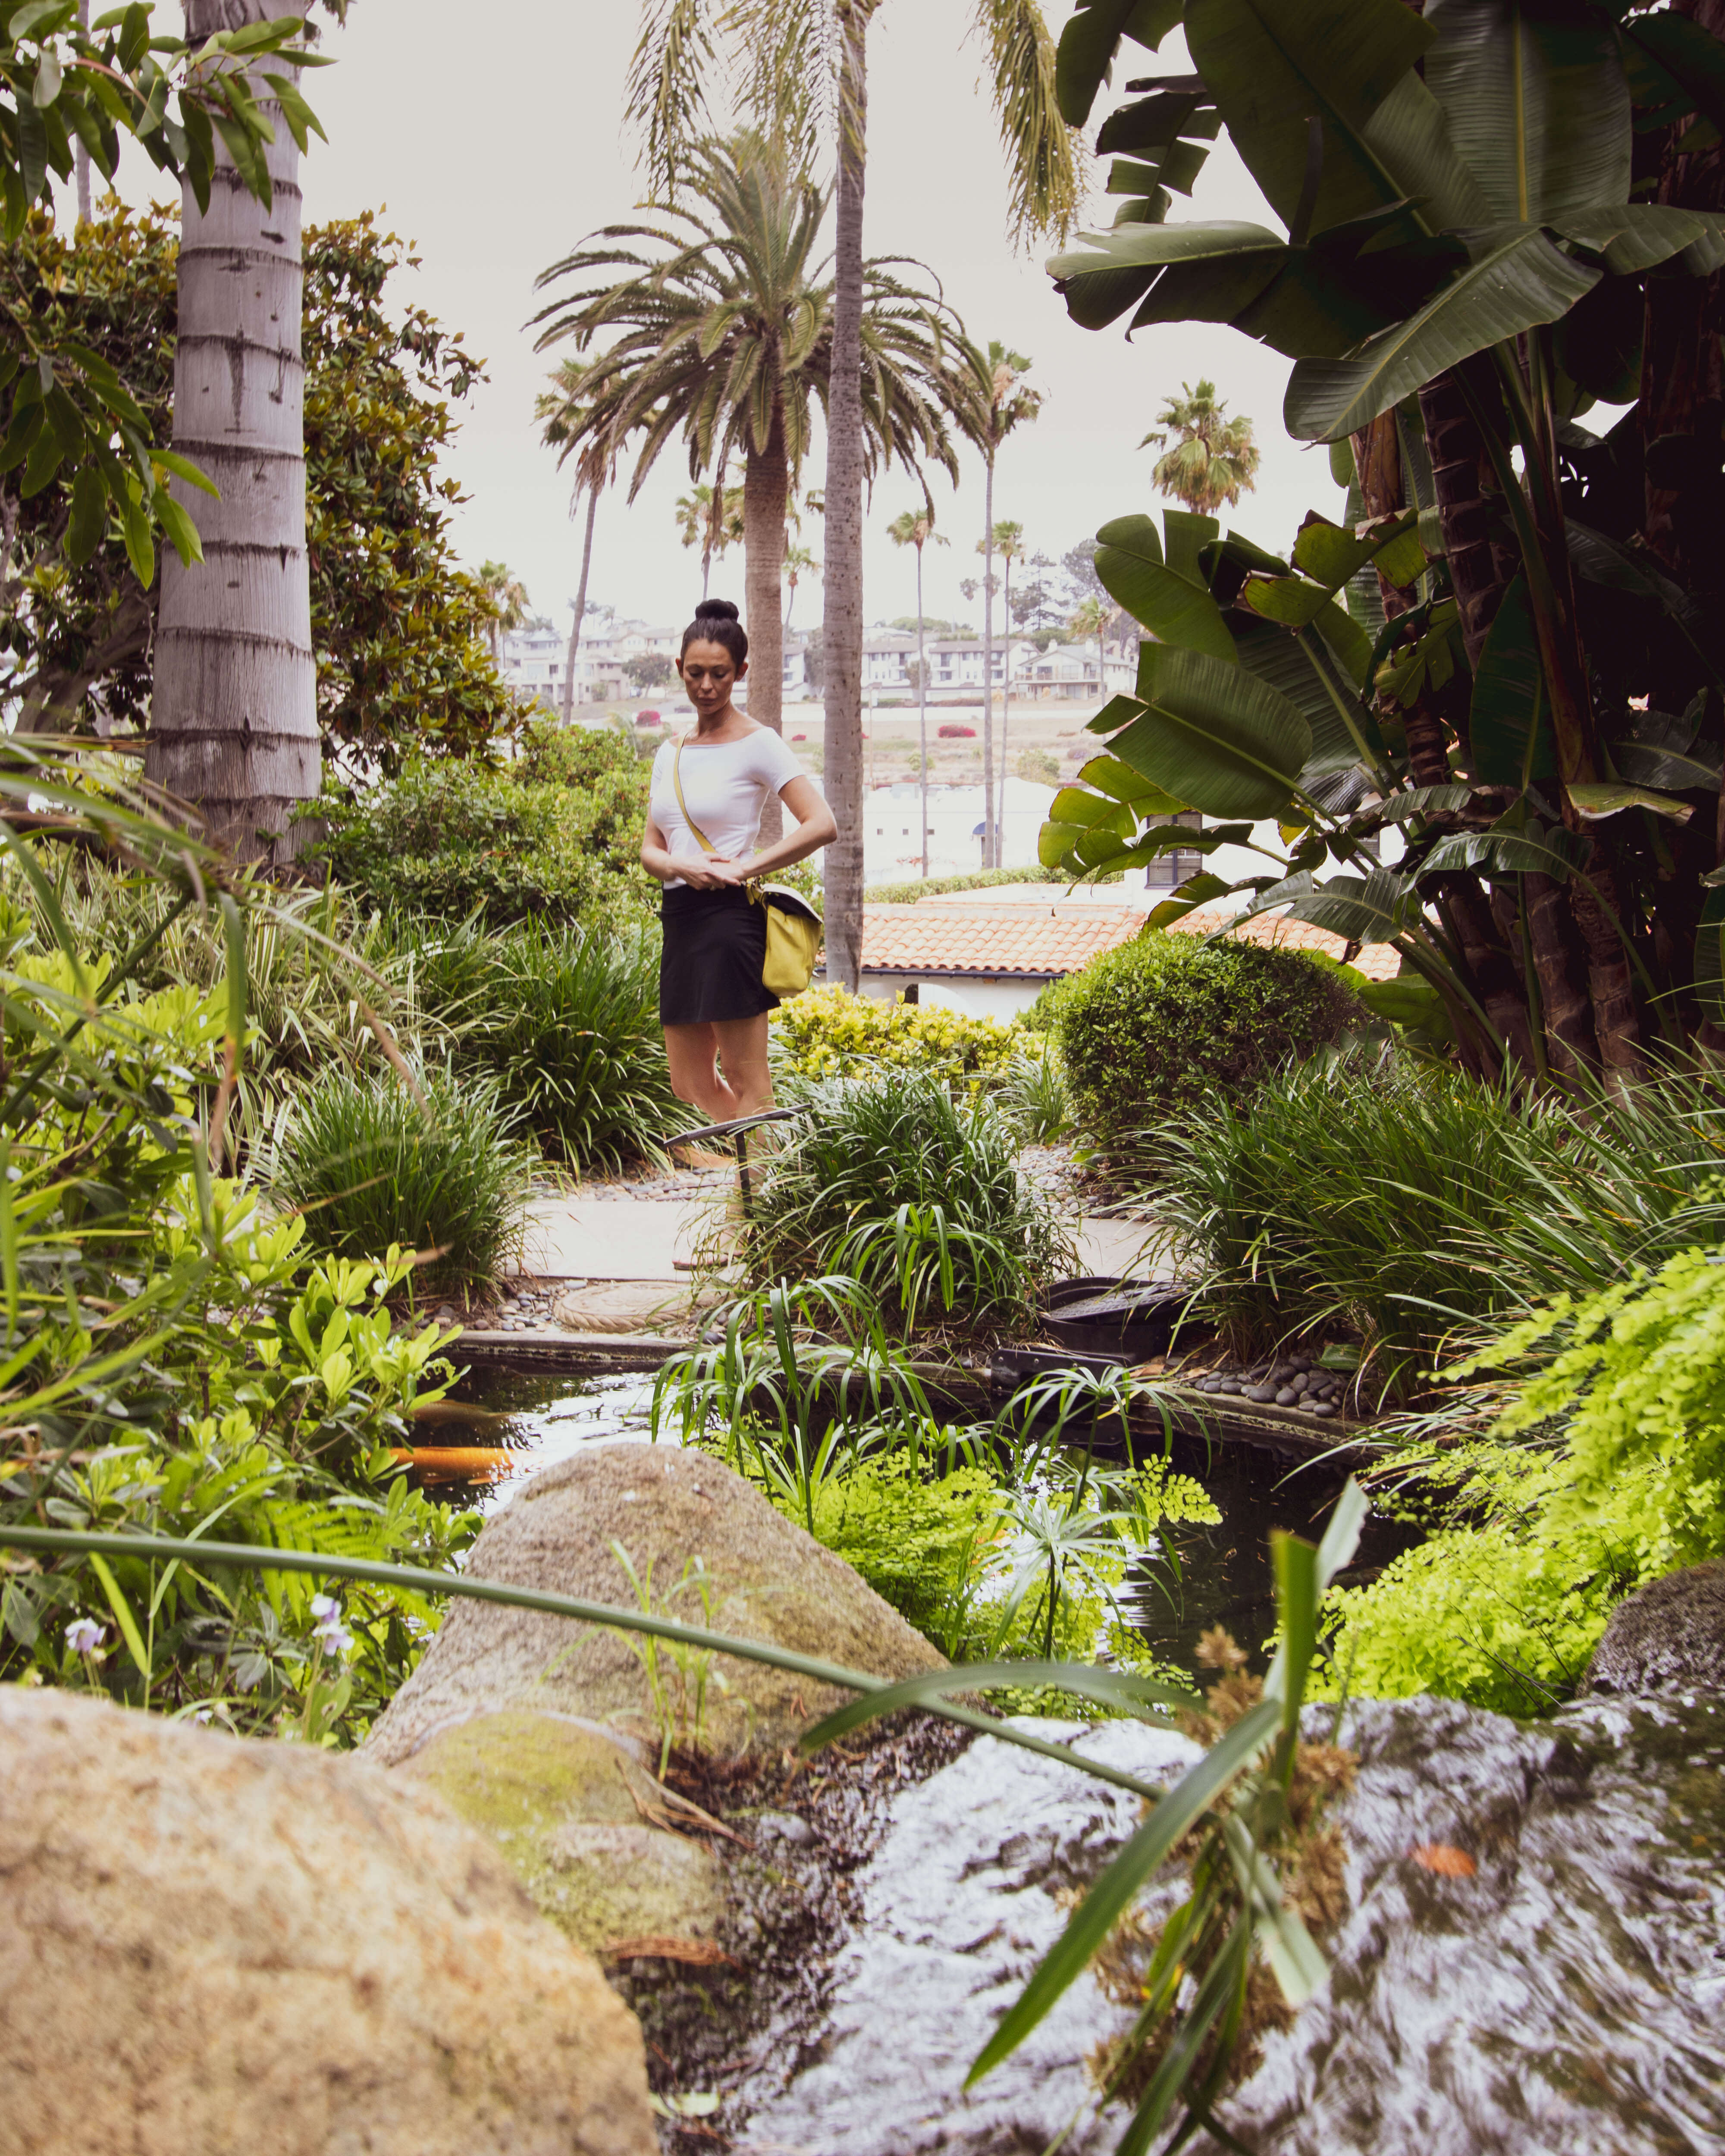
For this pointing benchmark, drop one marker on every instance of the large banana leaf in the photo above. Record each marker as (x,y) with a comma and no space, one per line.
(1213,736)
(1517,281)
(1686,55)
(1089,41)
(1274,65)
(1508,699)
(1111,271)
(1537,103)
(1632,237)
(1508,850)
(1370,909)
(1108,775)
(1175,608)
(1344,731)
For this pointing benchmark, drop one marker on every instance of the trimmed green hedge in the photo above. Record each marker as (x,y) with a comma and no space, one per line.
(1168,1022)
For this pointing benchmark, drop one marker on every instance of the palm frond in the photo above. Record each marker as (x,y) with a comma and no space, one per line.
(1045,157)
(665,99)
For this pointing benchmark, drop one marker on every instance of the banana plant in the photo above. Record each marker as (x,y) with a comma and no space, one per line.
(1469,256)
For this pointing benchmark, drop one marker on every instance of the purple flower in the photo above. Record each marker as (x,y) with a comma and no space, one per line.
(324,1606)
(84,1635)
(330,1632)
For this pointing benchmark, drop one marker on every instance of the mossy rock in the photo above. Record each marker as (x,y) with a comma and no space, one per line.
(670,1510)
(571,1811)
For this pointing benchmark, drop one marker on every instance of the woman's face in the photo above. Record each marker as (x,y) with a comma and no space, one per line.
(710,673)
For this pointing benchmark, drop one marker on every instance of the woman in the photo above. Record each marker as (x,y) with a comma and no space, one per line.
(711,1002)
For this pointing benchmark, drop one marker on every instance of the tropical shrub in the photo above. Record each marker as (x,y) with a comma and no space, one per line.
(433,1166)
(315,966)
(829,1032)
(172,1361)
(918,1194)
(456,839)
(1605,1470)
(565,1021)
(1535,711)
(1404,1204)
(1167,1022)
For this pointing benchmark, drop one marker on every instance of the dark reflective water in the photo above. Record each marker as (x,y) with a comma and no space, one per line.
(521,1422)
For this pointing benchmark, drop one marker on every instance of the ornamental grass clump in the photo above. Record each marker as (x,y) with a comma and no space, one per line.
(1358,1196)
(564,1022)
(440,1170)
(895,1181)
(1168,1022)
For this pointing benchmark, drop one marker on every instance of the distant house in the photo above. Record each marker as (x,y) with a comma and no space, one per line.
(534,660)
(1081,672)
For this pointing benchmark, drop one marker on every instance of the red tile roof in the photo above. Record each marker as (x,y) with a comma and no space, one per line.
(1378,961)
(1040,939)
(1036,941)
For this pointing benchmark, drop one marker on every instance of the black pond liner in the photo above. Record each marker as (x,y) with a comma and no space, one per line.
(1125,1320)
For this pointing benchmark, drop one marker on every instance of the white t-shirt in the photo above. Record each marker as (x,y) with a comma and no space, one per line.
(727,785)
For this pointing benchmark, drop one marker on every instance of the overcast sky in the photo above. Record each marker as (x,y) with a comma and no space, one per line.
(496,152)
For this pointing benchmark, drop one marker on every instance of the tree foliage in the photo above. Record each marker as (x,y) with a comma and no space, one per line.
(399,628)
(1502,651)
(62,86)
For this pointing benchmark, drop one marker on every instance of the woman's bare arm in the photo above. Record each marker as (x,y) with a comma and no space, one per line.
(814,829)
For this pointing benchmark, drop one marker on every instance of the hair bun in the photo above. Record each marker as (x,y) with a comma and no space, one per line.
(717,610)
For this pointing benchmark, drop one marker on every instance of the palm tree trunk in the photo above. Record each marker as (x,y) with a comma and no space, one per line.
(842,614)
(1005,707)
(922,711)
(766,487)
(989,859)
(234,723)
(593,505)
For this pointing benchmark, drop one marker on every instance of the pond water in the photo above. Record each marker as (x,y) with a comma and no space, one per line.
(522,1422)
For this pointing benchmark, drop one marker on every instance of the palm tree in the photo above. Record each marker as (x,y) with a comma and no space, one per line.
(909,529)
(721,324)
(1000,401)
(711,518)
(1009,544)
(1213,459)
(233,710)
(790,51)
(561,409)
(798,562)
(509,599)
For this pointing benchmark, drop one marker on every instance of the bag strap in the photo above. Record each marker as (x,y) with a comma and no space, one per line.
(700,837)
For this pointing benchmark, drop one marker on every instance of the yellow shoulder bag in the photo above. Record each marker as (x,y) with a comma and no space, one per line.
(794,929)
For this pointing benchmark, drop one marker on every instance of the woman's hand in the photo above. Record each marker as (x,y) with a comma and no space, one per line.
(708,871)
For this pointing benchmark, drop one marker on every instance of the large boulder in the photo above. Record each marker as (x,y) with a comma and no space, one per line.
(209,1945)
(669,1510)
(1670,1637)
(585,1828)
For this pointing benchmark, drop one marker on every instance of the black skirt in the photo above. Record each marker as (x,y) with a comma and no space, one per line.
(714,947)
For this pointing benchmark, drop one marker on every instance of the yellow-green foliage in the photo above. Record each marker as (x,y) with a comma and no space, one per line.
(941,1548)
(829,1032)
(1505,1605)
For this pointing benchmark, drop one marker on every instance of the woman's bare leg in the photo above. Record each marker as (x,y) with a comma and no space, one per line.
(742,1053)
(692,1052)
